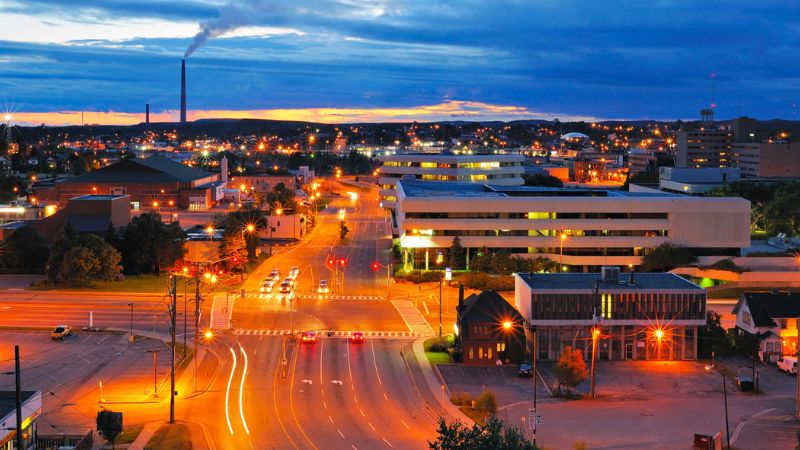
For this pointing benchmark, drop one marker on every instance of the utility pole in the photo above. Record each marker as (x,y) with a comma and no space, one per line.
(440,307)
(595,333)
(173,325)
(196,319)
(534,349)
(131,336)
(18,397)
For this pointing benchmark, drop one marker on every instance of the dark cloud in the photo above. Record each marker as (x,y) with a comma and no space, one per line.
(606,59)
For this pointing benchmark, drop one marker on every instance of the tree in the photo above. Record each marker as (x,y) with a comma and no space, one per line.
(149,244)
(234,248)
(543,180)
(343,230)
(666,257)
(77,265)
(570,369)
(490,434)
(25,249)
(109,425)
(711,337)
(457,254)
(281,196)
(239,220)
(782,213)
(486,402)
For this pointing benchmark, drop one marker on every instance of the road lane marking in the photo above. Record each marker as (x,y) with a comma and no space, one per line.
(330,418)
(340,433)
(228,392)
(385,396)
(324,405)
(241,391)
(375,362)
(405,424)
(362,412)
(372,426)
(275,404)
(387,442)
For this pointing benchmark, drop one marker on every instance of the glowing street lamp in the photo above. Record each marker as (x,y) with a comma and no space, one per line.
(507,325)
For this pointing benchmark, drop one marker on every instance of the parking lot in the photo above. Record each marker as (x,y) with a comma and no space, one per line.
(656,404)
(69,373)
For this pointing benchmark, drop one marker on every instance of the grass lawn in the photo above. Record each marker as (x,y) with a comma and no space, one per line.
(437,357)
(131,283)
(173,437)
(129,434)
(433,347)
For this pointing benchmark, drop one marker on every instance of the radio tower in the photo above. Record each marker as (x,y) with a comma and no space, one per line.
(713,90)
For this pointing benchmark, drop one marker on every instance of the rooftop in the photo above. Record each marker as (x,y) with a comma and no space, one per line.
(583,281)
(155,169)
(766,306)
(97,197)
(8,401)
(416,188)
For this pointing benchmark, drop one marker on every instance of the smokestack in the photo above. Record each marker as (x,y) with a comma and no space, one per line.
(460,296)
(183,92)
(147,113)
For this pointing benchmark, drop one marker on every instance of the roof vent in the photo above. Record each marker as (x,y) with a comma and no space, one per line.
(609,273)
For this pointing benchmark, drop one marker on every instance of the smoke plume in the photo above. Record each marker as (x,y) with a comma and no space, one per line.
(231,17)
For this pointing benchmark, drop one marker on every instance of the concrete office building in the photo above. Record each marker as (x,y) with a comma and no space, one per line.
(767,159)
(639,316)
(504,170)
(599,227)
(705,147)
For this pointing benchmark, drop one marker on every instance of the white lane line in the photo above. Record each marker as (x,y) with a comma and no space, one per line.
(340,433)
(228,392)
(405,424)
(375,361)
(354,447)
(372,426)
(385,396)
(324,405)
(330,418)
(362,412)
(241,391)
(387,442)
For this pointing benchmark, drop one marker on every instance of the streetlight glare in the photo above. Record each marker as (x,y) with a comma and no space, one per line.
(659,333)
(507,325)
(209,229)
(208,334)
(8,117)
(250,228)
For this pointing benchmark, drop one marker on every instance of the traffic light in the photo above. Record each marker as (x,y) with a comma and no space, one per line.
(375,266)
(331,261)
(342,262)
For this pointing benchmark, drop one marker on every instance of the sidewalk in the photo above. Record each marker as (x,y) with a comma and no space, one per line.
(144,437)
(435,383)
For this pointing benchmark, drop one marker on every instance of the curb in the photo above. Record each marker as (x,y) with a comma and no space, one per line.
(431,375)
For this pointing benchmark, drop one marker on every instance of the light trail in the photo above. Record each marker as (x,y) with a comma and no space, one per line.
(241,390)
(228,391)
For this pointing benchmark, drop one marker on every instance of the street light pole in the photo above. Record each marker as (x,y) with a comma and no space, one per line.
(130,339)
(440,307)
(196,319)
(155,370)
(173,325)
(725,397)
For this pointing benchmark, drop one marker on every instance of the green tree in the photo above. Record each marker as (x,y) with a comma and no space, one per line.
(782,213)
(343,230)
(490,434)
(281,197)
(486,402)
(234,248)
(457,254)
(570,369)
(240,220)
(62,242)
(109,425)
(149,244)
(711,337)
(667,257)
(759,195)
(25,249)
(79,262)
(543,180)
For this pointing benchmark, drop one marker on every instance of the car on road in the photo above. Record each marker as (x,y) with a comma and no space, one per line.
(294,272)
(308,337)
(267,286)
(286,287)
(275,275)
(788,364)
(323,287)
(525,370)
(357,337)
(744,383)
(61,332)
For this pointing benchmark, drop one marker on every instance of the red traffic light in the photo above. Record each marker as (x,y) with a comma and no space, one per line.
(375,266)
(330,261)
(342,262)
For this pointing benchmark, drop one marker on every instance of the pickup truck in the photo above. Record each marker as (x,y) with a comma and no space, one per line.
(788,364)
(61,332)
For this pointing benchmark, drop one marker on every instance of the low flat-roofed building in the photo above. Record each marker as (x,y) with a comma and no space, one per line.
(582,228)
(640,316)
(695,181)
(499,169)
(767,159)
(31,409)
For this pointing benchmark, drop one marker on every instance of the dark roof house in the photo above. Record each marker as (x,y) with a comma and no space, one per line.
(489,329)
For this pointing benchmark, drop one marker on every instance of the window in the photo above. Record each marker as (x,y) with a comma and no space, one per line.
(480,352)
(746,317)
(489,353)
(783,324)
(471,353)
(501,347)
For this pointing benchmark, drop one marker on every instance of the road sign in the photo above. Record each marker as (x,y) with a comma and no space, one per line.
(533,420)
(448,274)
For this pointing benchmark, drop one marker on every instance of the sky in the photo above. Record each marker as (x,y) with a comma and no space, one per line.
(382,60)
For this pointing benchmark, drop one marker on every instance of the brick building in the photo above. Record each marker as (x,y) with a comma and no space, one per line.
(151,182)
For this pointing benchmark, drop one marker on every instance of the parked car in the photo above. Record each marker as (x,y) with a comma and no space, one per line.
(525,370)
(744,383)
(788,364)
(61,332)
(323,287)
(286,287)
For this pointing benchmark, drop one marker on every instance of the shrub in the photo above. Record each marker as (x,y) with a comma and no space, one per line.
(570,369)
(486,402)
(436,345)
(461,398)
(419,276)
(486,282)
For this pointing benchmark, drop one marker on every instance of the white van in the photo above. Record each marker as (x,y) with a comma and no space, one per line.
(788,364)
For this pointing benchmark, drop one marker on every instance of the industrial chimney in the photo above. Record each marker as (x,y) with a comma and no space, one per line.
(147,113)
(183,92)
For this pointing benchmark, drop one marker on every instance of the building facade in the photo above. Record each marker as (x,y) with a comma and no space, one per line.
(706,147)
(489,329)
(639,316)
(772,318)
(767,159)
(580,228)
(504,170)
(31,410)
